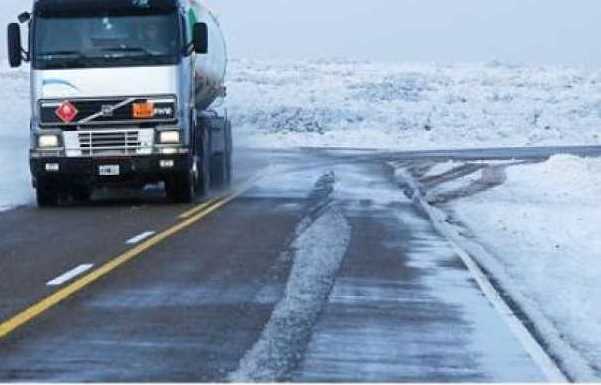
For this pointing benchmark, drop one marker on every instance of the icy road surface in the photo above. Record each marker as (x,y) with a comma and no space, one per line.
(323,270)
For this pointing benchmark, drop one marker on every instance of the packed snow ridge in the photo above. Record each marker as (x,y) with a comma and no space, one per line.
(318,253)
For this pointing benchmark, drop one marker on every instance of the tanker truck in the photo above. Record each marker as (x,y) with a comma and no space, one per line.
(123,92)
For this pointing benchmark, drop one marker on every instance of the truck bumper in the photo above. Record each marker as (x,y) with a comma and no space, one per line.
(133,171)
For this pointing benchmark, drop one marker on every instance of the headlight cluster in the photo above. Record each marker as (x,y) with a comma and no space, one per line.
(51,141)
(169,137)
(48,141)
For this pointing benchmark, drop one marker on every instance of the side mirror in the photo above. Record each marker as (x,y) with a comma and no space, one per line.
(24,17)
(15,50)
(200,38)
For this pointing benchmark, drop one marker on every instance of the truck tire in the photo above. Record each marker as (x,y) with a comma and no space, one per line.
(219,170)
(81,193)
(181,188)
(221,163)
(229,153)
(203,182)
(46,195)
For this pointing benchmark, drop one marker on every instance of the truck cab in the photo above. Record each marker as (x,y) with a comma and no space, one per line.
(121,94)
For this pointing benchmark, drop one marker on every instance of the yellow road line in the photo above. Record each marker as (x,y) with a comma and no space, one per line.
(39,308)
(187,214)
(199,208)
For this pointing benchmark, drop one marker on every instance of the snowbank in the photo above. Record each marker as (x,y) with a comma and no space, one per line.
(15,182)
(413,106)
(543,226)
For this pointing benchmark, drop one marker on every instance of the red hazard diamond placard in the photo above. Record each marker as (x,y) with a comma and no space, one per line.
(66,112)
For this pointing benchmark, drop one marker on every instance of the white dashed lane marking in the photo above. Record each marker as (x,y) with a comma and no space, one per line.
(69,275)
(140,238)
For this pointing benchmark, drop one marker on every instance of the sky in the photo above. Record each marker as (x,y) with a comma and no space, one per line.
(444,31)
(447,31)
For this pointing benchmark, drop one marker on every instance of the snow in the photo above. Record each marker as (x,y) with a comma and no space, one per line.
(433,195)
(318,253)
(543,226)
(441,168)
(15,186)
(412,106)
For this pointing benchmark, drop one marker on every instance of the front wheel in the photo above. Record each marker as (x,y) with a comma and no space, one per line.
(47,196)
(81,193)
(180,188)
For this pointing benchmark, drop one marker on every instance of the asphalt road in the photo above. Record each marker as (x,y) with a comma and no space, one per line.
(320,270)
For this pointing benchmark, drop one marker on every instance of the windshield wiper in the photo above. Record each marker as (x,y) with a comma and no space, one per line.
(140,50)
(62,54)
(61,59)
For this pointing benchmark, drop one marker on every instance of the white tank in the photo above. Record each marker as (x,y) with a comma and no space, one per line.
(211,67)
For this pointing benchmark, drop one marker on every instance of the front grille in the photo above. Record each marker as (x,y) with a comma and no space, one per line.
(108,142)
(90,142)
(107,111)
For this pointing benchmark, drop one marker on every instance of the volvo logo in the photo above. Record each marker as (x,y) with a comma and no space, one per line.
(107,110)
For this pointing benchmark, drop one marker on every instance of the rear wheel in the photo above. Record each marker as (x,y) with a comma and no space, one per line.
(221,162)
(204,167)
(219,170)
(229,152)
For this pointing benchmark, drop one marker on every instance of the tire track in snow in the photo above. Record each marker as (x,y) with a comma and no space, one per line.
(318,252)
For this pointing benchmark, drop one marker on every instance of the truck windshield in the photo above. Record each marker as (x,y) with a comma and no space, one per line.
(106,41)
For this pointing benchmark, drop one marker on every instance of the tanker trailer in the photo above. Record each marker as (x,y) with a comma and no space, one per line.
(122,94)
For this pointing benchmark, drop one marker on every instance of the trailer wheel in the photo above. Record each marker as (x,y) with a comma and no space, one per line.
(46,195)
(180,188)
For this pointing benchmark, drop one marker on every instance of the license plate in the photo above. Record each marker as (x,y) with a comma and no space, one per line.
(109,170)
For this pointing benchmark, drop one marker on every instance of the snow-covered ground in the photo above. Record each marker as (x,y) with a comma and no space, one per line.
(542,228)
(413,106)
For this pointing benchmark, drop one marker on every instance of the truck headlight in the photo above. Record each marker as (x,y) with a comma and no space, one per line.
(169,137)
(48,141)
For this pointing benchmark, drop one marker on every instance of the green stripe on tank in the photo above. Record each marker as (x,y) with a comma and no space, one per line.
(192,19)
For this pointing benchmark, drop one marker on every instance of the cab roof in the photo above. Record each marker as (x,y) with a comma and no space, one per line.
(91,7)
